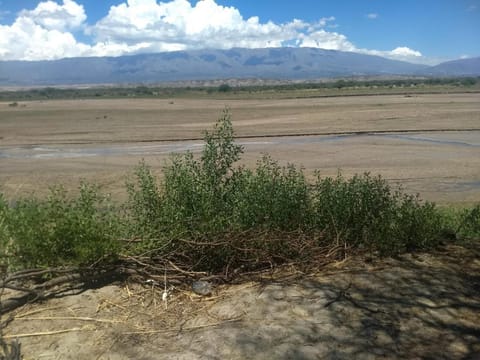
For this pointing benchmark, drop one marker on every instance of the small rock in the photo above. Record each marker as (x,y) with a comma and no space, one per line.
(202,287)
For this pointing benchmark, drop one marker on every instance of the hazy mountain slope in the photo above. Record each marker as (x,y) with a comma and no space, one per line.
(462,67)
(272,63)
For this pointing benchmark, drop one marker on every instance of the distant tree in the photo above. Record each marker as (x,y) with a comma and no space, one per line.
(340,84)
(468,81)
(224,88)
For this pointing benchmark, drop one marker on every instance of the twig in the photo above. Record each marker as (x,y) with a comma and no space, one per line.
(19,288)
(189,273)
(24,274)
(46,333)
(79,318)
(184,329)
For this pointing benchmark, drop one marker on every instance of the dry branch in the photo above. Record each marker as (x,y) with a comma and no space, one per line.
(241,255)
(45,333)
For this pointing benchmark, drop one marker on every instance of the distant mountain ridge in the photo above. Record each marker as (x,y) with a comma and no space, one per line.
(462,67)
(267,63)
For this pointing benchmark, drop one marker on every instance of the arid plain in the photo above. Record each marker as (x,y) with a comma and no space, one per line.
(415,306)
(429,144)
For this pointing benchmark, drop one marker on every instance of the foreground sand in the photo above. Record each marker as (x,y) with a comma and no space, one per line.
(423,306)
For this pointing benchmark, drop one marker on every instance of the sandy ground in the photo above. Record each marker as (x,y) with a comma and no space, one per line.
(46,143)
(423,306)
(415,307)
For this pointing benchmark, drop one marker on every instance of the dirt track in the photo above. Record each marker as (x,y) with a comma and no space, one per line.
(416,307)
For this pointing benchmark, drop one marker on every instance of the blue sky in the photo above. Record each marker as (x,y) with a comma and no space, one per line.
(424,31)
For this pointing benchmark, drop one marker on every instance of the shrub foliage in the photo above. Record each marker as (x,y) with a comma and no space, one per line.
(213,213)
(59,230)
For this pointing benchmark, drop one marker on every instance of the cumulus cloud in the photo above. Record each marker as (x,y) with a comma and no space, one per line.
(43,33)
(135,26)
(325,40)
(178,25)
(53,16)
(400,53)
(406,52)
(372,16)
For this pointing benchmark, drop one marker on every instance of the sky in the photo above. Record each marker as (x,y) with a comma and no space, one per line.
(420,31)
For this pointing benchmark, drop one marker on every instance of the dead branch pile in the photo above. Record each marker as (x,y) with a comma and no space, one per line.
(225,259)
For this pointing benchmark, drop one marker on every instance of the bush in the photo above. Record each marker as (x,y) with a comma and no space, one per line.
(206,196)
(469,224)
(214,214)
(143,207)
(271,197)
(196,193)
(224,88)
(417,225)
(61,231)
(4,238)
(364,212)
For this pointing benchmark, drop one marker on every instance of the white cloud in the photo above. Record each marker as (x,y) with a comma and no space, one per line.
(53,16)
(325,21)
(136,26)
(372,16)
(43,33)
(402,53)
(27,40)
(325,40)
(405,51)
(179,25)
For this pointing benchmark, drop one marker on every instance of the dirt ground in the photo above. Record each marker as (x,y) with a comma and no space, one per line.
(424,306)
(51,142)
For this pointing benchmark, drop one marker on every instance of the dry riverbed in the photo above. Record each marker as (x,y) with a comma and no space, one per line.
(434,148)
(424,306)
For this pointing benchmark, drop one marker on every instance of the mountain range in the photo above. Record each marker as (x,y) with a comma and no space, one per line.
(267,63)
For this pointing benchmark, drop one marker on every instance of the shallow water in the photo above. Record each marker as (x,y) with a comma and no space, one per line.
(470,142)
(458,139)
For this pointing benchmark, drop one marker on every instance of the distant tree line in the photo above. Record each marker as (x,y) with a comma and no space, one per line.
(166,92)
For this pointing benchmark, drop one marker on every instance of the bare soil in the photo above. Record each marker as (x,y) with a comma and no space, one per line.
(424,306)
(51,142)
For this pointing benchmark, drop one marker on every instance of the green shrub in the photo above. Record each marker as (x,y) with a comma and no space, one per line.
(224,88)
(215,214)
(364,211)
(144,215)
(418,225)
(4,238)
(197,193)
(271,197)
(357,211)
(201,197)
(61,231)
(469,224)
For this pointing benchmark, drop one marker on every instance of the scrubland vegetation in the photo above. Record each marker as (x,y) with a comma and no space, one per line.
(338,87)
(209,214)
